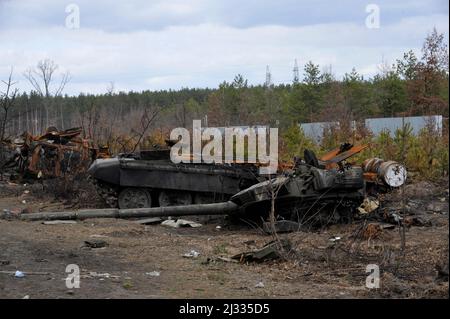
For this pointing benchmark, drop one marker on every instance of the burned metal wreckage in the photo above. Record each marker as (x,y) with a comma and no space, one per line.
(53,154)
(317,191)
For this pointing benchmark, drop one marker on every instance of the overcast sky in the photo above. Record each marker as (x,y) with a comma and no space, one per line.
(169,44)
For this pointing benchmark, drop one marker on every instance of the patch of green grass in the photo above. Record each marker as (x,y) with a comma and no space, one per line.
(220,249)
(127,285)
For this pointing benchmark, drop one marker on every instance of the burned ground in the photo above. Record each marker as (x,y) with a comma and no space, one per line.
(316,267)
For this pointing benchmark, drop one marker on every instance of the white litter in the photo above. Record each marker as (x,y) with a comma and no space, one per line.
(259,285)
(101,276)
(192,254)
(153,273)
(19,274)
(180,223)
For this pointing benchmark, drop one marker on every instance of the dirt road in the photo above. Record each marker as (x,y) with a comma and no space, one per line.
(125,268)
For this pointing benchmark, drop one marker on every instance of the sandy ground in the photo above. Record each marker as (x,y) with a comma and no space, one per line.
(314,268)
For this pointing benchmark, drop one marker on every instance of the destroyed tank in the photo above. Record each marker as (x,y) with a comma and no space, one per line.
(310,195)
(151,179)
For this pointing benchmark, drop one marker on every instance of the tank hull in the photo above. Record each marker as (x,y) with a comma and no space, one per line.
(204,183)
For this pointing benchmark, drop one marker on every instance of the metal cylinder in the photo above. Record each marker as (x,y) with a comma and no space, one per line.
(390,173)
(185,210)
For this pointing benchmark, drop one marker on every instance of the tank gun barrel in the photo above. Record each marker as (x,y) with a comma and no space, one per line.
(173,211)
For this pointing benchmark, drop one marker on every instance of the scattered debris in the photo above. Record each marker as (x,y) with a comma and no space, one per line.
(271,250)
(149,221)
(153,273)
(95,243)
(180,223)
(26,297)
(192,254)
(94,274)
(259,285)
(58,222)
(334,239)
(368,206)
(19,274)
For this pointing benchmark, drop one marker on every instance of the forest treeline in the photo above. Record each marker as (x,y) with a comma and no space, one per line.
(413,85)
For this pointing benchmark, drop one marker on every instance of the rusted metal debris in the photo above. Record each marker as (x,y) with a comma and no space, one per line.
(340,154)
(53,154)
(272,250)
(376,170)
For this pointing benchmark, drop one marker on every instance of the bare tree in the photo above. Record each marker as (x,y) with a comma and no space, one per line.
(7,99)
(41,78)
(147,119)
(110,88)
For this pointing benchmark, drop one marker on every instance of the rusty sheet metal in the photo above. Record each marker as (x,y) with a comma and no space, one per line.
(332,158)
(54,160)
(55,153)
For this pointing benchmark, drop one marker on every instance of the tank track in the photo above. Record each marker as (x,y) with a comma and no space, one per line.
(107,193)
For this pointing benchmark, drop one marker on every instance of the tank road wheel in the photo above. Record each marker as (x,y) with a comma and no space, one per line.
(134,198)
(174,198)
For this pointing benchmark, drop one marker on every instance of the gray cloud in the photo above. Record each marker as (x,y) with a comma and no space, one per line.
(124,16)
(199,43)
